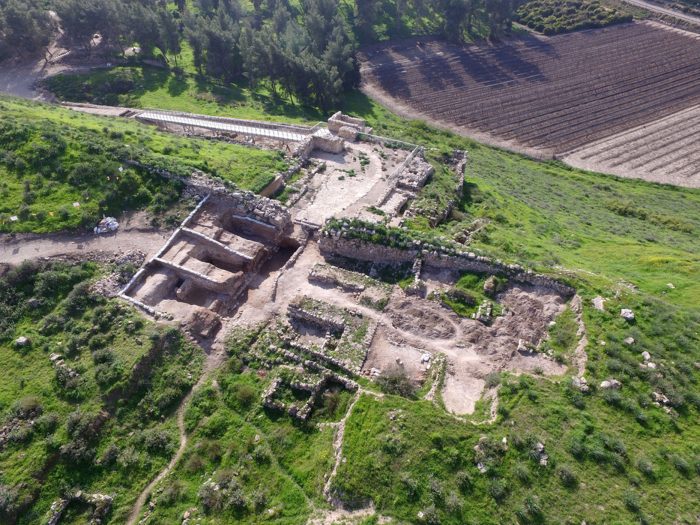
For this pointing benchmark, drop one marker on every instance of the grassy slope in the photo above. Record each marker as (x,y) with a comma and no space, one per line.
(279,467)
(80,327)
(104,145)
(158,88)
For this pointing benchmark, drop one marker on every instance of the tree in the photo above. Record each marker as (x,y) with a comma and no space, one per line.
(169,34)
(24,27)
(366,12)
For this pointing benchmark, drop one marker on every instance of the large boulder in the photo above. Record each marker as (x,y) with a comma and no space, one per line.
(23,342)
(610,384)
(627,314)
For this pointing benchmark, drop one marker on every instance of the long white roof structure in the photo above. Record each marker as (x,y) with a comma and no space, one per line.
(294,134)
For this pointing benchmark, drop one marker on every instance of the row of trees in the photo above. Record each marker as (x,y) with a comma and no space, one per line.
(122,24)
(309,54)
(306,50)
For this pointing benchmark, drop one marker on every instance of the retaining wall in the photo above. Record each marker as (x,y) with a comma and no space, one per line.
(464,262)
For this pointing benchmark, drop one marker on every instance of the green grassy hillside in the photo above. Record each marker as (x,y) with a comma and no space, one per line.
(614,456)
(100,416)
(53,157)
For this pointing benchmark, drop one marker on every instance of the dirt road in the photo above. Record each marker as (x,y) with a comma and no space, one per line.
(664,11)
(53,245)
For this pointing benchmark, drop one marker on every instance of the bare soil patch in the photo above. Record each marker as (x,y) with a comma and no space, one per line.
(543,96)
(422,321)
(665,150)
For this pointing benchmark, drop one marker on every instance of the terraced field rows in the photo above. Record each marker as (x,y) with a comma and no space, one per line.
(546,95)
(667,150)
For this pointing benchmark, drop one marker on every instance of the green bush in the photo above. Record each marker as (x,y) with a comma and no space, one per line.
(395,381)
(560,16)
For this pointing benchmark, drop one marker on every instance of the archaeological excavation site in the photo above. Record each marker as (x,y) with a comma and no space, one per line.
(349,262)
(335,286)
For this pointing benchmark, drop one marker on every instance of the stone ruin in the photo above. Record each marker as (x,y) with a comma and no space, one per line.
(200,273)
(305,376)
(347,127)
(100,504)
(343,336)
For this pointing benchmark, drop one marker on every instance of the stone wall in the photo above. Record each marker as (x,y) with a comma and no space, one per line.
(335,244)
(347,126)
(435,217)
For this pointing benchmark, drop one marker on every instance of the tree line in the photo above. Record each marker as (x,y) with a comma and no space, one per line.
(305,50)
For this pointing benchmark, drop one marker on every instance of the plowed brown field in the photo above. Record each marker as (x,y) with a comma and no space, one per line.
(543,96)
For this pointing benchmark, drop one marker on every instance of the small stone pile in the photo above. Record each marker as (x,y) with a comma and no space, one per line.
(60,364)
(611,384)
(100,503)
(484,314)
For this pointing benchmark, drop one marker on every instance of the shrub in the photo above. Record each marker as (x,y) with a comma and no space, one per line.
(567,476)
(430,516)
(522,474)
(532,510)
(631,500)
(172,493)
(9,501)
(110,455)
(157,441)
(21,434)
(194,464)
(680,464)
(395,381)
(498,490)
(453,503)
(26,408)
(209,497)
(77,452)
(261,454)
(411,486)
(464,481)
(128,458)
(492,380)
(259,499)
(46,424)
(646,467)
(245,395)
(436,490)
(106,374)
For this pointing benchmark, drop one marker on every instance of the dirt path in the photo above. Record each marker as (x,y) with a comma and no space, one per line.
(215,357)
(580,358)
(664,11)
(14,251)
(338,447)
(141,500)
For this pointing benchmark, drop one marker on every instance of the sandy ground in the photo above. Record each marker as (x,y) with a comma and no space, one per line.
(345,187)
(665,151)
(410,328)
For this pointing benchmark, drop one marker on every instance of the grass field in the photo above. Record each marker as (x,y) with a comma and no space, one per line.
(150,87)
(53,158)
